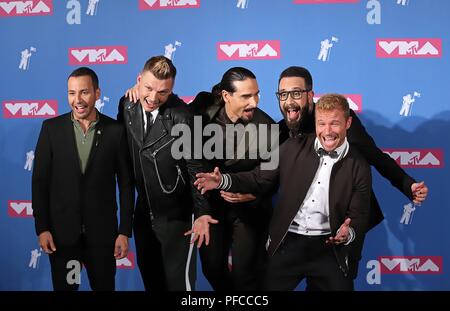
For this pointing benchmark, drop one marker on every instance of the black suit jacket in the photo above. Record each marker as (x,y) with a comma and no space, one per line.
(358,137)
(67,202)
(349,192)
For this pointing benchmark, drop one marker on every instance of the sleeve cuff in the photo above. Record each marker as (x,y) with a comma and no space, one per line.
(351,237)
(225,182)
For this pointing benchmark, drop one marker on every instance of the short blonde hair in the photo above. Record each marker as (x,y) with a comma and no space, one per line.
(334,101)
(161,67)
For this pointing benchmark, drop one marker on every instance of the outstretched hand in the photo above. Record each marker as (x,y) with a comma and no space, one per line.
(343,234)
(235,197)
(200,230)
(208,181)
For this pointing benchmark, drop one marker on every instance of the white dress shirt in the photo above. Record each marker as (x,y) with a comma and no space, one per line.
(313,215)
(154,114)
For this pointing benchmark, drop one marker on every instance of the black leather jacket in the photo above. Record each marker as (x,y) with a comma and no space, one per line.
(164,183)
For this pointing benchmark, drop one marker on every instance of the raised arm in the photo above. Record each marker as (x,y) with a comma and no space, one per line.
(384,164)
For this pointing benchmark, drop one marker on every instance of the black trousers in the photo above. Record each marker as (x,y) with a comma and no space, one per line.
(165,257)
(246,242)
(66,264)
(303,257)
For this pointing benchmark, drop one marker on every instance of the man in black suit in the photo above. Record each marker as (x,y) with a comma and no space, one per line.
(324,182)
(79,156)
(164,180)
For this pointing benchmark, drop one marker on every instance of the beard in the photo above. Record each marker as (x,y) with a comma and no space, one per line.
(303,123)
(247,118)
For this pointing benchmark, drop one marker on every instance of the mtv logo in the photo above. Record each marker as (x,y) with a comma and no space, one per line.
(248,50)
(354,101)
(324,1)
(127,262)
(409,48)
(98,55)
(187,99)
(30,109)
(26,8)
(168,4)
(410,264)
(417,158)
(22,209)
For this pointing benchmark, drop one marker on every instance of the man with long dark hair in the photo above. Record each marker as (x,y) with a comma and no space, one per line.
(243,218)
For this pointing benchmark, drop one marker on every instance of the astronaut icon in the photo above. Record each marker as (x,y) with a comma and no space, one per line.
(35,254)
(325,49)
(408,211)
(403,2)
(92,7)
(29,162)
(25,58)
(100,103)
(170,49)
(408,100)
(242,4)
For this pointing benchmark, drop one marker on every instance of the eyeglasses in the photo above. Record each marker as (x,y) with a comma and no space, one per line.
(296,94)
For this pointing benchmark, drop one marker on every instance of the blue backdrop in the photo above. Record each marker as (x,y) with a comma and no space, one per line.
(389,58)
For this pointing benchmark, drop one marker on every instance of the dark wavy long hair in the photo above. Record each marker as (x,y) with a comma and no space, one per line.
(227,82)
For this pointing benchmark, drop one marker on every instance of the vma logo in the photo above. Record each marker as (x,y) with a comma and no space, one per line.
(30,109)
(127,262)
(168,4)
(26,8)
(410,264)
(248,50)
(402,265)
(98,55)
(20,209)
(417,158)
(409,48)
(324,1)
(354,101)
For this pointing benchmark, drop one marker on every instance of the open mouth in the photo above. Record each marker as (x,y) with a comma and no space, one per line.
(150,104)
(80,109)
(249,112)
(293,113)
(329,141)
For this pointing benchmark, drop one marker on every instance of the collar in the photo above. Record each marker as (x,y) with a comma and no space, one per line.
(92,123)
(154,114)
